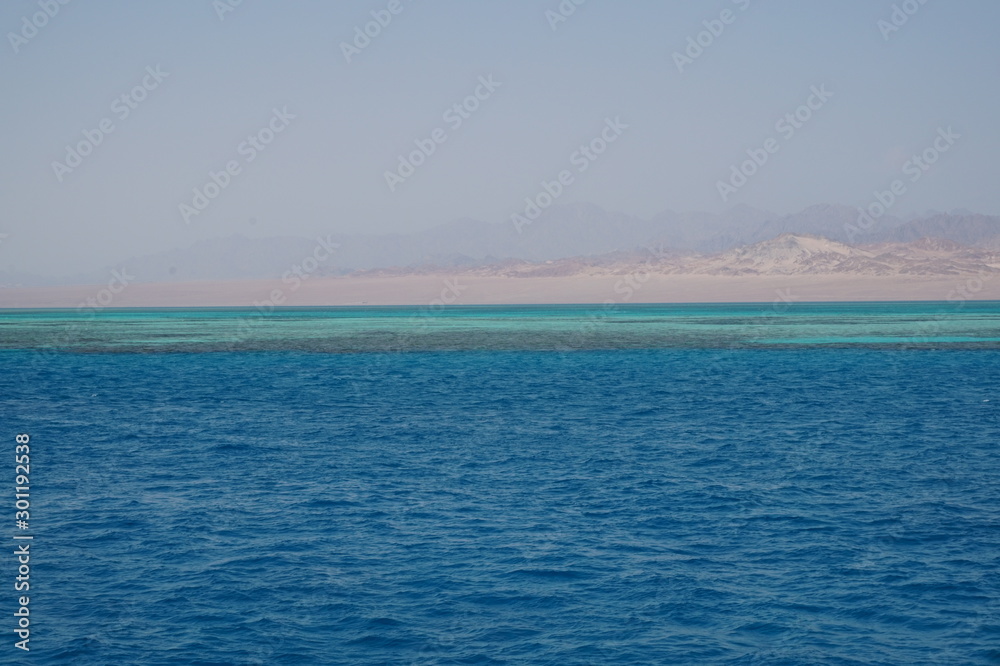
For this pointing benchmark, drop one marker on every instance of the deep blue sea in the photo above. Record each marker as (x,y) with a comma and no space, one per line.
(646,485)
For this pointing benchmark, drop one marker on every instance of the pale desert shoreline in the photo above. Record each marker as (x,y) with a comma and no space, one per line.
(434,290)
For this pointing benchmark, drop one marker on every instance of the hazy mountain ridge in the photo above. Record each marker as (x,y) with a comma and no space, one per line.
(566,235)
(967,229)
(788,254)
(791,254)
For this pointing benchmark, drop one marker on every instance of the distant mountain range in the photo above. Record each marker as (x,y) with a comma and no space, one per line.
(788,254)
(822,237)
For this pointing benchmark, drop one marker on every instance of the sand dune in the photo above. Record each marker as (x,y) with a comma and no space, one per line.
(468,290)
(785,269)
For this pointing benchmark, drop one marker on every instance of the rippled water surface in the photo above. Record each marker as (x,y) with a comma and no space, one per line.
(760,501)
(517,328)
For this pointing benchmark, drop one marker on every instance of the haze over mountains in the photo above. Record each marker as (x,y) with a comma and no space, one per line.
(574,237)
(788,254)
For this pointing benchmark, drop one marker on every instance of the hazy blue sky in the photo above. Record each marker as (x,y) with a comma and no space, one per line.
(324,171)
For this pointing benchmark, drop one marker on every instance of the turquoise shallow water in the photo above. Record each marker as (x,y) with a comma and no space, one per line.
(520,486)
(930,325)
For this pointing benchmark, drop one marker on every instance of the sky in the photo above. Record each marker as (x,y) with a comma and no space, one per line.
(134,127)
